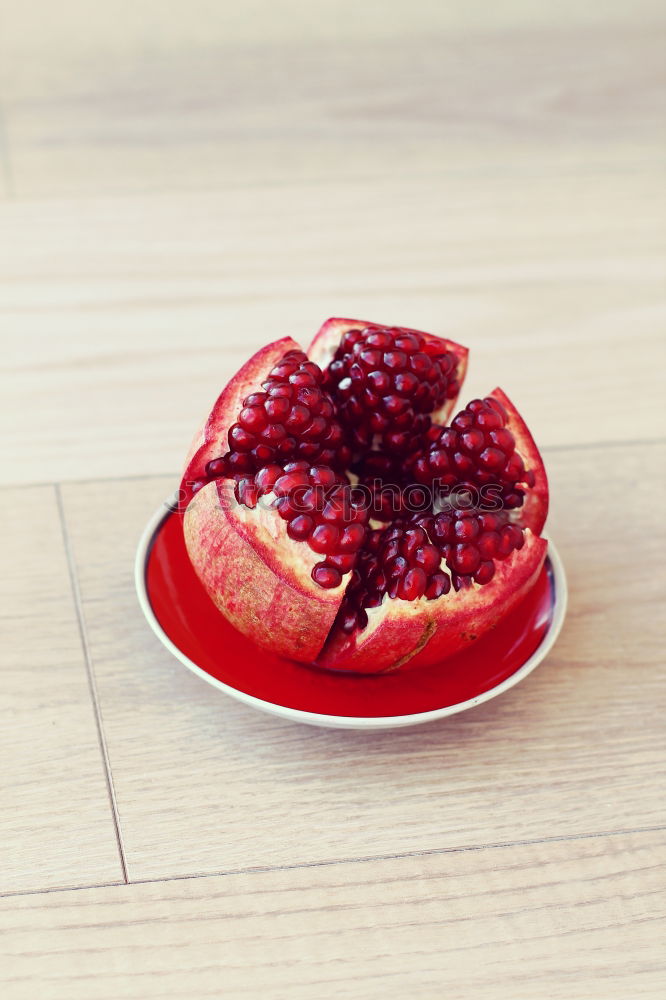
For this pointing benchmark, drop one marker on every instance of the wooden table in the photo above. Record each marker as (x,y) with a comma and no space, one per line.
(181,183)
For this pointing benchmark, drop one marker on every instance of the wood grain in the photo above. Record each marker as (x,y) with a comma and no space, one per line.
(563,921)
(143,105)
(577,748)
(499,181)
(56,826)
(180,183)
(122,322)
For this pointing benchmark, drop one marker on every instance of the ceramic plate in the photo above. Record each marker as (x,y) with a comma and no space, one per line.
(184,618)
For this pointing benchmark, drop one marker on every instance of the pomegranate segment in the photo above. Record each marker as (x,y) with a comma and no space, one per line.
(489,454)
(387,382)
(291,418)
(424,632)
(298,457)
(407,371)
(258,578)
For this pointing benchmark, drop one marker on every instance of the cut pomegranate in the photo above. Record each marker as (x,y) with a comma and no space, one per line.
(334,518)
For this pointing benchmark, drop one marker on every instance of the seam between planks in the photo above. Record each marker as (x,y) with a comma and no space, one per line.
(92,686)
(335,862)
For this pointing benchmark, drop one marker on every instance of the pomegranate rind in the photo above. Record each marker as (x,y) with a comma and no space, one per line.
(474,611)
(327,340)
(210,440)
(256,576)
(402,634)
(534,511)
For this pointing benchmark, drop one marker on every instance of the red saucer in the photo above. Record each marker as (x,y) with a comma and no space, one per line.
(202,638)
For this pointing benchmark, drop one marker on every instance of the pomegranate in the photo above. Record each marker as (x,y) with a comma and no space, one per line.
(337,515)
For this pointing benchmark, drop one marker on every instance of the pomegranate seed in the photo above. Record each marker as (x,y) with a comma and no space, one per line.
(348,621)
(378,338)
(273,434)
(420,364)
(506,542)
(298,418)
(344,562)
(395,405)
(324,538)
(465,559)
(299,529)
(412,540)
(267,477)
(444,527)
(413,585)
(466,529)
(497,406)
(333,511)
(473,440)
(253,419)
(287,483)
(492,459)
(489,420)
(216,468)
(485,572)
(255,399)
(262,455)
(438,585)
(397,567)
(513,532)
(408,343)
(503,439)
(392,549)
(238,461)
(463,463)
(286,508)
(327,577)
(514,469)
(275,390)
(315,429)
(321,476)
(278,408)
(428,558)
(303,380)
(351,538)
(488,544)
(240,439)
(380,382)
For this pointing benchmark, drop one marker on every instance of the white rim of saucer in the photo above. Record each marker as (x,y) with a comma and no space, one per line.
(348,721)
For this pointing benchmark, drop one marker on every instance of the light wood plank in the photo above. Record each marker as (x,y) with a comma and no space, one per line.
(56,824)
(204,784)
(101,102)
(562,921)
(121,323)
(508,194)
(195,24)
